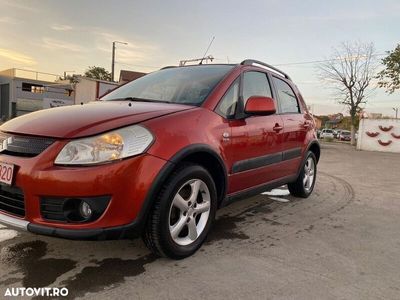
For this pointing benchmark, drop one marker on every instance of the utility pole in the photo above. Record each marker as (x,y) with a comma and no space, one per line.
(65,74)
(396,109)
(113,58)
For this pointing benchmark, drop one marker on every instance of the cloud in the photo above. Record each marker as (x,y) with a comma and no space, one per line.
(136,51)
(19,5)
(9,20)
(17,57)
(61,27)
(54,44)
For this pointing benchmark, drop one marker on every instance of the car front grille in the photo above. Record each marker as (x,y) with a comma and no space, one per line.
(22,145)
(12,200)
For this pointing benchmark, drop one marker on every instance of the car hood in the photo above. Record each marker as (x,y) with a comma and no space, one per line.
(88,119)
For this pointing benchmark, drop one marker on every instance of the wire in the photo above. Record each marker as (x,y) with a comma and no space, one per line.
(279,64)
(134,65)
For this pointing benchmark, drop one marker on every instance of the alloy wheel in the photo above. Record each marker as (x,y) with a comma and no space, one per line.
(189,212)
(309,173)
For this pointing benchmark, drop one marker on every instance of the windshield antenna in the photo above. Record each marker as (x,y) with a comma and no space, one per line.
(204,56)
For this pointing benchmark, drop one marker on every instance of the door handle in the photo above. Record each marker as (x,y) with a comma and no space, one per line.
(277,127)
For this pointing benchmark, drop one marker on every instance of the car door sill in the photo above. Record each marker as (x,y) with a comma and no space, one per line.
(249,192)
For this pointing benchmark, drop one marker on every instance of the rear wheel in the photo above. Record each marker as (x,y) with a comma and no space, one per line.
(183,213)
(304,185)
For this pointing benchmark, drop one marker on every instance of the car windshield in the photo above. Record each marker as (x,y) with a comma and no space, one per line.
(345,132)
(184,85)
(328,131)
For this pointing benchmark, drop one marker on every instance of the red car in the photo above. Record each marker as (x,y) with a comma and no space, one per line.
(158,156)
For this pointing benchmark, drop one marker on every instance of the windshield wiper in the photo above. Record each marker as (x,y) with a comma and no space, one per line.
(140,100)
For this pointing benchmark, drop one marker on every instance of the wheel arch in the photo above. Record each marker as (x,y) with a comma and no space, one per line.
(207,157)
(315,148)
(197,153)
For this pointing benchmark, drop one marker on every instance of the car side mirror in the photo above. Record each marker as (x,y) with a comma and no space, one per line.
(260,106)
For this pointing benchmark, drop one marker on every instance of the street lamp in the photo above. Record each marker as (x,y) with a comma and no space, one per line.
(113,57)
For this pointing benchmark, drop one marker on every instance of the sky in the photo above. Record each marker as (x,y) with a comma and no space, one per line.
(56,36)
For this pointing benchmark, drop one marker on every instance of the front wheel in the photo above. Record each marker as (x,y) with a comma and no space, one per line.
(183,213)
(304,185)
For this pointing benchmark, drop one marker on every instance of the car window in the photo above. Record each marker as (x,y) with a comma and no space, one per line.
(185,85)
(287,99)
(255,84)
(227,106)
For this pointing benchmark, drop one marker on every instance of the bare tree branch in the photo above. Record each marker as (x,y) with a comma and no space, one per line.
(349,73)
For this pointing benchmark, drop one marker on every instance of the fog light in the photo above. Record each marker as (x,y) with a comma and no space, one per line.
(85,210)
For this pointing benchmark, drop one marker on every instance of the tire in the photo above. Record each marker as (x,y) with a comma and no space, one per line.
(301,187)
(179,221)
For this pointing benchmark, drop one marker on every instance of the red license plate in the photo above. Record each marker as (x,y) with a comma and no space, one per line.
(6,173)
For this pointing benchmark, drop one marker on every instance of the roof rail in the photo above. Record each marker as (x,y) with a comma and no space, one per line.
(168,67)
(250,62)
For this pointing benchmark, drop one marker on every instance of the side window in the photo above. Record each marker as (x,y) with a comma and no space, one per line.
(227,106)
(287,99)
(255,84)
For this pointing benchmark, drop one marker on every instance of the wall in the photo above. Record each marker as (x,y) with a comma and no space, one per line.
(27,101)
(379,135)
(85,91)
(106,87)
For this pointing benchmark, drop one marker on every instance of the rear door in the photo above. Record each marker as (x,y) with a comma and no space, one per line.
(256,140)
(295,125)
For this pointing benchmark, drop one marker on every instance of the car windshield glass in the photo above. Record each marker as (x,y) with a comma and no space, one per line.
(345,132)
(185,85)
(328,131)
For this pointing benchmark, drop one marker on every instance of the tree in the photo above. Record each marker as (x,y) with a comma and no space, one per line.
(389,78)
(98,73)
(72,78)
(349,72)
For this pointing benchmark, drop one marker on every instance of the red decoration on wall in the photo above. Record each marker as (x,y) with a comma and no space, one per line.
(372,134)
(395,135)
(384,143)
(385,128)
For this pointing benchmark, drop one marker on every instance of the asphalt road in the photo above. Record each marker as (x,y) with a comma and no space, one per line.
(341,243)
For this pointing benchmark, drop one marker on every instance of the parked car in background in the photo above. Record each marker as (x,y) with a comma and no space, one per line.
(158,156)
(326,133)
(345,135)
(337,133)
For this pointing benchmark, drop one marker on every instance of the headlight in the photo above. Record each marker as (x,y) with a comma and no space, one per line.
(113,145)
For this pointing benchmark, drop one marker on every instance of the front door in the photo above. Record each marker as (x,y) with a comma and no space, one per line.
(256,141)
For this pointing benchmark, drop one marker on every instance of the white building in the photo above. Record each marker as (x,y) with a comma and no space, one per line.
(88,89)
(23,91)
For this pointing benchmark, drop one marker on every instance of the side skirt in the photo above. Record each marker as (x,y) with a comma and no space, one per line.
(257,190)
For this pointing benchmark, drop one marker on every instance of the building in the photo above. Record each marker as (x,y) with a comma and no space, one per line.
(127,76)
(89,89)
(318,122)
(23,91)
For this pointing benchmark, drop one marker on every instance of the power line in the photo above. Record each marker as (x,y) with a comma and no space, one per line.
(319,61)
(135,65)
(278,65)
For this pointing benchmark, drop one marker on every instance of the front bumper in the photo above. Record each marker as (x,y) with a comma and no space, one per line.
(127,182)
